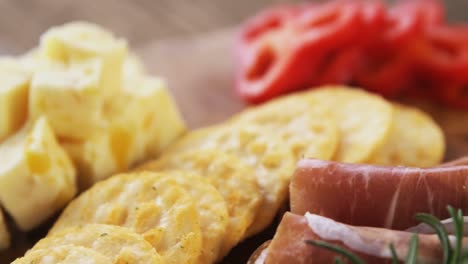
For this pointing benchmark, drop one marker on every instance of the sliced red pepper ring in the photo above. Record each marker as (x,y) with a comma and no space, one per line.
(443,53)
(374,19)
(400,28)
(431,12)
(286,60)
(339,68)
(388,75)
(329,26)
(407,20)
(269,20)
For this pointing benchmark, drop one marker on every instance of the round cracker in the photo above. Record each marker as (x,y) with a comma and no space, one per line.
(262,150)
(212,211)
(148,203)
(234,179)
(119,244)
(364,120)
(306,130)
(415,140)
(68,254)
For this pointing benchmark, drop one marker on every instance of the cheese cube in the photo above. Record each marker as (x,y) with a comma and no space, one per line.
(106,152)
(14,87)
(34,61)
(4,234)
(143,121)
(70,99)
(160,122)
(78,41)
(37,177)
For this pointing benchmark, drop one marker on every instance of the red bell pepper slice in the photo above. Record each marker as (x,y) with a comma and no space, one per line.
(340,68)
(388,75)
(443,53)
(285,60)
(407,20)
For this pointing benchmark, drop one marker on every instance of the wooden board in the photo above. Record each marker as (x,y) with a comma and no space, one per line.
(200,74)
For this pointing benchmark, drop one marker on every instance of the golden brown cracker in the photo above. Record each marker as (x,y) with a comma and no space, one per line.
(307,130)
(150,204)
(232,177)
(364,120)
(119,244)
(415,140)
(68,254)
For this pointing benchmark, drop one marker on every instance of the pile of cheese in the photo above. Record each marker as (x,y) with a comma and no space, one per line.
(74,111)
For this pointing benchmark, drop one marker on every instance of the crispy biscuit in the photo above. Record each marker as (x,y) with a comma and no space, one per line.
(364,120)
(150,204)
(415,140)
(307,131)
(68,254)
(212,211)
(119,244)
(234,179)
(262,150)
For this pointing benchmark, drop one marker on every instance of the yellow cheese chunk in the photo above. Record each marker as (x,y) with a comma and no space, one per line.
(34,61)
(14,87)
(4,234)
(141,122)
(108,151)
(159,120)
(78,41)
(70,98)
(37,177)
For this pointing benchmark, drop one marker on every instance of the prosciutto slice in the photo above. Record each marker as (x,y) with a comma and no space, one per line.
(376,196)
(371,244)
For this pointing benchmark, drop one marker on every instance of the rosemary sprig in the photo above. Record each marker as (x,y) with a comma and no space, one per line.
(394,254)
(412,257)
(454,255)
(337,249)
(441,232)
(457,217)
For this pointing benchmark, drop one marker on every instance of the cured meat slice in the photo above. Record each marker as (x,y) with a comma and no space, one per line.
(370,244)
(376,196)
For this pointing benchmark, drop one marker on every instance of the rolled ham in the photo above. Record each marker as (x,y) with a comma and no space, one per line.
(370,244)
(377,196)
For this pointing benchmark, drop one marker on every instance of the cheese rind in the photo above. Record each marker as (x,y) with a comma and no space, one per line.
(79,41)
(14,87)
(37,177)
(71,98)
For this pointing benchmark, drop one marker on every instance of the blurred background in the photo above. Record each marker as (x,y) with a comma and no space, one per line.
(140,21)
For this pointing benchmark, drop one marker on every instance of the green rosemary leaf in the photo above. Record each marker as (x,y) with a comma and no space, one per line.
(412,257)
(337,249)
(394,254)
(435,223)
(457,217)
